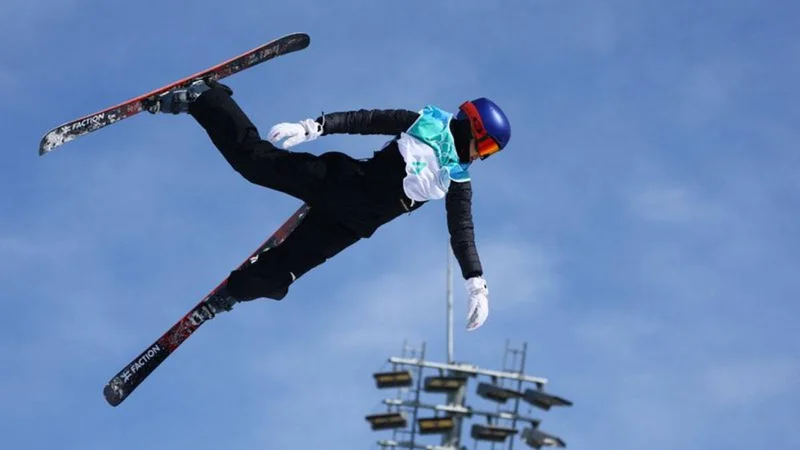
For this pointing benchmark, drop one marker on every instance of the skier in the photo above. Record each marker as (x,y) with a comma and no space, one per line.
(427,159)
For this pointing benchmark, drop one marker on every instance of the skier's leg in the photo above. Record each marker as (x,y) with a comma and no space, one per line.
(235,136)
(317,239)
(295,173)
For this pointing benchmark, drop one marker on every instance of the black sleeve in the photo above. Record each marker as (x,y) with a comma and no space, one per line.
(462,234)
(367,121)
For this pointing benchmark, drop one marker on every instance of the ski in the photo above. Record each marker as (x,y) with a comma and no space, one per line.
(136,371)
(71,130)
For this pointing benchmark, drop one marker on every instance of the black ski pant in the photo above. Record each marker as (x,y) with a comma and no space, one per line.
(332,184)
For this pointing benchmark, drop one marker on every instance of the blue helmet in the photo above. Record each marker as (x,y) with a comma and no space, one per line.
(489,124)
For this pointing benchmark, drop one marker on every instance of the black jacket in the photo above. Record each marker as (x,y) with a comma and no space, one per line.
(387,169)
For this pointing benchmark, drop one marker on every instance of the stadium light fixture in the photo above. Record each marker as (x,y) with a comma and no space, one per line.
(538,439)
(434,425)
(491,433)
(444,384)
(497,393)
(393,379)
(387,421)
(543,400)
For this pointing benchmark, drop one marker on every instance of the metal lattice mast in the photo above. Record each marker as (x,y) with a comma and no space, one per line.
(449,303)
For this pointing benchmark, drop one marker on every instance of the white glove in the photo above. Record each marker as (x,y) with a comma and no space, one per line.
(303,131)
(478,302)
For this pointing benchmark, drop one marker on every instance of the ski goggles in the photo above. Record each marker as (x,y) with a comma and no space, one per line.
(486,145)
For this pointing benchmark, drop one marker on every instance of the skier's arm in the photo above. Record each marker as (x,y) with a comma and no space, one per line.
(462,234)
(462,240)
(367,121)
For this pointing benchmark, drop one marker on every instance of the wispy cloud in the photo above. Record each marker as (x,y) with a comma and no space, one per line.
(755,381)
(676,205)
(519,272)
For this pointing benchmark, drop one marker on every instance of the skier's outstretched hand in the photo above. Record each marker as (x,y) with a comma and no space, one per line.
(478,302)
(295,133)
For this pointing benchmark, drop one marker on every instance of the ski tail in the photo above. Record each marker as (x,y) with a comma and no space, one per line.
(138,370)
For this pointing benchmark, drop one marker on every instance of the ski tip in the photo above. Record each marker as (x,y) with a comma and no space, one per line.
(294,42)
(297,34)
(306,39)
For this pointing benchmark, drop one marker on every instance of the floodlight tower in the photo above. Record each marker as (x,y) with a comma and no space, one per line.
(452,379)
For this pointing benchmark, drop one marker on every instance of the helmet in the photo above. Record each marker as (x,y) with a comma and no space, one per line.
(489,124)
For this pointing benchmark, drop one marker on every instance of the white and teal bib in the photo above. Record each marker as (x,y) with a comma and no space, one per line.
(429,151)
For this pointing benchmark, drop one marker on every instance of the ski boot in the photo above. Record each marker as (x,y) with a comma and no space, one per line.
(177,101)
(222,300)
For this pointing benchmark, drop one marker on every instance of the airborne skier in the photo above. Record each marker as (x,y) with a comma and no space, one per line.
(427,159)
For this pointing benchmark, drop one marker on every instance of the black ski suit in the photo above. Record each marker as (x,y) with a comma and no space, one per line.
(349,198)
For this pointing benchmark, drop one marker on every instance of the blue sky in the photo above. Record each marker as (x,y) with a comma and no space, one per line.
(639,232)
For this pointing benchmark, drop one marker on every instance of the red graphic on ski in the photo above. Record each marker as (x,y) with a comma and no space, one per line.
(136,371)
(71,130)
